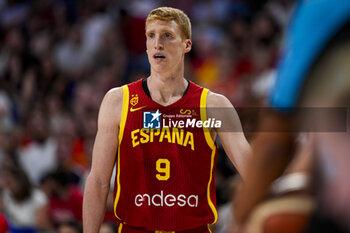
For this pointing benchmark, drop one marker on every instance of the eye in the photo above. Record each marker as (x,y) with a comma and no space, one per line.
(168,35)
(151,35)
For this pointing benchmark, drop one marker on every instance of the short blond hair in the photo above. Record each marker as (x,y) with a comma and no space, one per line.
(168,14)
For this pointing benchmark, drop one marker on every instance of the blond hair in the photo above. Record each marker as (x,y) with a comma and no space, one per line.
(168,14)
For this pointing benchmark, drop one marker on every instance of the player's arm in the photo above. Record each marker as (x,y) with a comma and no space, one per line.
(103,159)
(272,150)
(231,134)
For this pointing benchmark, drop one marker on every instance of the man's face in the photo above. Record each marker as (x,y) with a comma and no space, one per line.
(165,46)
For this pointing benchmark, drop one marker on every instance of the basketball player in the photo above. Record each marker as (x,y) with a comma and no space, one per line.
(313,73)
(165,169)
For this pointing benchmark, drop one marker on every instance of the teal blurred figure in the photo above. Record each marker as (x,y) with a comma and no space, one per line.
(314,72)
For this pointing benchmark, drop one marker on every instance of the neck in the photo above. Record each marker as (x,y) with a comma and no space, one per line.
(166,90)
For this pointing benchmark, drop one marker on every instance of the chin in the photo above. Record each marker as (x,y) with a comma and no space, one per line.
(160,69)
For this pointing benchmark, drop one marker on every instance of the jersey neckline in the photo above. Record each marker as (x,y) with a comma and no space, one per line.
(148,94)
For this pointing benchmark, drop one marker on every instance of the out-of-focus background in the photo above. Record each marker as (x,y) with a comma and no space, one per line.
(57,60)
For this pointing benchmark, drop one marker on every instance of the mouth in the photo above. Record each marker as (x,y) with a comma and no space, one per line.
(159,57)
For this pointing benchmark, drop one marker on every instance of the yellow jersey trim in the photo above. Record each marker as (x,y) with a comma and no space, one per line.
(210,142)
(209,228)
(120,228)
(125,109)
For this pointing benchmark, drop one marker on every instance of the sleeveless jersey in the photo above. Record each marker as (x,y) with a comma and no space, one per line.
(165,173)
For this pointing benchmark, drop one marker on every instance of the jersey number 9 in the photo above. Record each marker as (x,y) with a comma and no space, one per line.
(163,167)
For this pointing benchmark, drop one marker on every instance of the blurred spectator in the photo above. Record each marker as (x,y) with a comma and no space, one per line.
(70,151)
(13,12)
(24,206)
(39,155)
(211,12)
(83,99)
(56,112)
(132,23)
(264,50)
(70,55)
(112,53)
(281,11)
(94,28)
(205,62)
(6,121)
(70,227)
(65,197)
(108,227)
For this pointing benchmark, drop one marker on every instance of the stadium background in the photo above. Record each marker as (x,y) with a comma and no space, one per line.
(59,58)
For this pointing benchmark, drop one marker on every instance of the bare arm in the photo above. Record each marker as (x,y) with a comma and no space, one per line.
(271,154)
(103,158)
(231,134)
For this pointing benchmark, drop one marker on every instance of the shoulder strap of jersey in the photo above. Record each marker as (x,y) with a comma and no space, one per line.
(208,138)
(203,111)
(125,110)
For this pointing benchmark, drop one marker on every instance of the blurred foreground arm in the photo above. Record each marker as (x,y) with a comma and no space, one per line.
(272,150)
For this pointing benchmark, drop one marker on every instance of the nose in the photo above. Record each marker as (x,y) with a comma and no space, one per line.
(158,44)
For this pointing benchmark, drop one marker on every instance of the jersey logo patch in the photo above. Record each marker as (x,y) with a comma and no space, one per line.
(133,102)
(185,111)
(135,109)
(151,120)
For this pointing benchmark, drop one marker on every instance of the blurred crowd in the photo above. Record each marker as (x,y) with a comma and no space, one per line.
(59,57)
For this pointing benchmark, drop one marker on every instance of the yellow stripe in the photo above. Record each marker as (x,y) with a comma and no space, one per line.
(209,229)
(121,132)
(208,138)
(120,228)
(203,109)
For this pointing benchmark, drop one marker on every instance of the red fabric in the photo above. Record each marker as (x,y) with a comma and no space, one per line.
(128,229)
(189,168)
(67,209)
(109,217)
(3,224)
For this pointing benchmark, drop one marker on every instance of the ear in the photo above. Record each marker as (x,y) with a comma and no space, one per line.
(188,45)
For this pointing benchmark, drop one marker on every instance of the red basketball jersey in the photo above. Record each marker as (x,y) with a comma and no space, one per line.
(165,176)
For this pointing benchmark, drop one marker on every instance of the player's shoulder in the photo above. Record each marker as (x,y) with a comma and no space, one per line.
(113,99)
(217,100)
(111,106)
(213,99)
(114,95)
